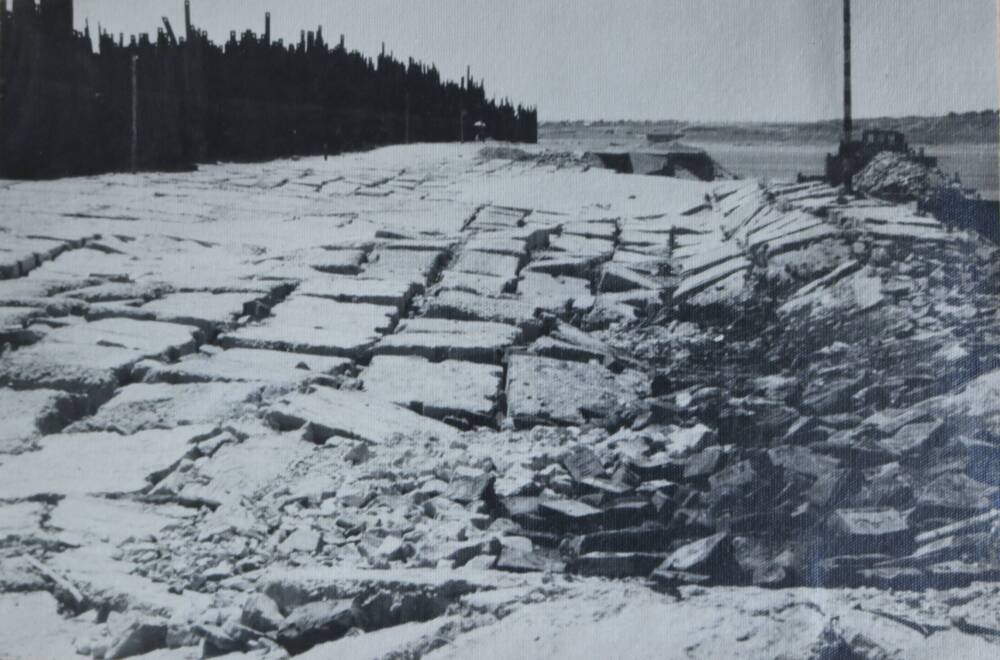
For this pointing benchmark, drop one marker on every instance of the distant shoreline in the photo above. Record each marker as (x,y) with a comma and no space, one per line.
(956,128)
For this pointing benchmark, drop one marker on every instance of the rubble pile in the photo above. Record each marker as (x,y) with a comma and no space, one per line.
(559,159)
(436,406)
(895,176)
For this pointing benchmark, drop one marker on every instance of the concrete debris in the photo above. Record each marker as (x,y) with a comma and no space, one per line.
(457,407)
(895,176)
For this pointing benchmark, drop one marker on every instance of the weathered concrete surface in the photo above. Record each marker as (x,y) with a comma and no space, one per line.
(142,406)
(763,624)
(81,463)
(326,413)
(544,390)
(412,401)
(438,389)
(438,339)
(93,358)
(33,413)
(204,310)
(397,293)
(305,324)
(241,365)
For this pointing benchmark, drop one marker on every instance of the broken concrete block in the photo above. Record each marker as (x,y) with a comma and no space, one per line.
(465,490)
(978,523)
(303,539)
(804,431)
(704,464)
(650,537)
(442,339)
(737,477)
(316,623)
(394,292)
(558,264)
(337,261)
(82,463)
(568,511)
(893,578)
(868,531)
(889,486)
(832,488)
(954,496)
(692,284)
(439,390)
(915,439)
(615,564)
(582,463)
(480,563)
(566,342)
(830,397)
(305,324)
(139,637)
(686,440)
(712,557)
(326,413)
(203,310)
(143,406)
(657,468)
(420,266)
(515,561)
(486,263)
(93,358)
(241,365)
(541,390)
(484,285)
(261,613)
(558,295)
(461,306)
(803,461)
(31,413)
(394,548)
(616,278)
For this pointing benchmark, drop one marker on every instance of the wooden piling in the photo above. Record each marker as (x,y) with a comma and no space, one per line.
(135,114)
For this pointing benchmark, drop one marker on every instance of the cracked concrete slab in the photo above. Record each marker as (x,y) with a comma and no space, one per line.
(439,339)
(462,306)
(556,294)
(204,310)
(486,263)
(29,414)
(142,406)
(93,358)
(84,463)
(241,365)
(305,324)
(485,285)
(397,293)
(451,388)
(326,413)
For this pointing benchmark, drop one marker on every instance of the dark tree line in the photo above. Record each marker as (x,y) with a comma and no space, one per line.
(67,110)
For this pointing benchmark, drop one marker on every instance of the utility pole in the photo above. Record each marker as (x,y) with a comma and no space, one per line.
(845,144)
(135,113)
(3,22)
(848,124)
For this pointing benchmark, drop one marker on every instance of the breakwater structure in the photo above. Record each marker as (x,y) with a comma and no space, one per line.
(174,100)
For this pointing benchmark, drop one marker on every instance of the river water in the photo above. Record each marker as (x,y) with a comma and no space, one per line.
(978,165)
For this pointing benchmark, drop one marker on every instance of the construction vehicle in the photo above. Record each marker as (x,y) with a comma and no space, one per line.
(854,155)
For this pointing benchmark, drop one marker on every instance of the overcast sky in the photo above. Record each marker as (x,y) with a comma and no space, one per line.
(703,60)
